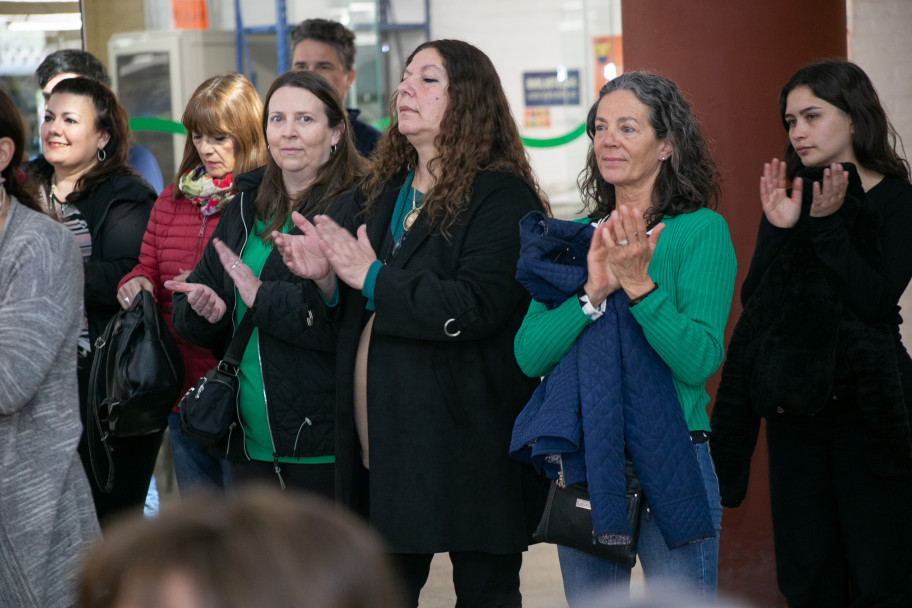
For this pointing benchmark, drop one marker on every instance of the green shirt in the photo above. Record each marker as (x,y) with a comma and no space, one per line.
(252,395)
(684,319)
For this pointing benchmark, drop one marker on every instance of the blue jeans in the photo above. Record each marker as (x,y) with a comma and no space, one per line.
(694,565)
(193,466)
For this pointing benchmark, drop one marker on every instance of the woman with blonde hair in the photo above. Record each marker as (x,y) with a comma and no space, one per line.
(224,139)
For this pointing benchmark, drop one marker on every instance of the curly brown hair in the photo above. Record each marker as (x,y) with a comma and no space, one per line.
(687,182)
(477,133)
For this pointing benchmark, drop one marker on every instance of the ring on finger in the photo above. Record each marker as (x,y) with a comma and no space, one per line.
(624,243)
(236,262)
(126,300)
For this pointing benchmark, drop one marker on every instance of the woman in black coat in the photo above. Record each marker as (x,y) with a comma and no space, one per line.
(428,335)
(817,350)
(286,398)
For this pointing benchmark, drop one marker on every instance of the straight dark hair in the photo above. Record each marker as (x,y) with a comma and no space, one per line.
(846,86)
(339,173)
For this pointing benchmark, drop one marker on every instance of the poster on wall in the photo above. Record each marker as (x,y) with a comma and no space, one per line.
(608,60)
(559,87)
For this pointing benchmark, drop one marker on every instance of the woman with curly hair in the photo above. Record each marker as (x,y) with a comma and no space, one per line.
(428,387)
(660,255)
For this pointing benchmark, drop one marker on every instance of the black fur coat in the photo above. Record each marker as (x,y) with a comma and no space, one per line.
(798,343)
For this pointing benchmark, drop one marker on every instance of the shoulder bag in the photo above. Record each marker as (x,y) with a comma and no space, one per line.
(207,411)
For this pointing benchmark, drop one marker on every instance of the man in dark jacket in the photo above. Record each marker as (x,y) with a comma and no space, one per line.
(328,48)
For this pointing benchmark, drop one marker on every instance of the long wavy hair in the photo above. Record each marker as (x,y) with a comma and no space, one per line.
(477,133)
(15,183)
(876,143)
(226,104)
(687,181)
(339,173)
(111,118)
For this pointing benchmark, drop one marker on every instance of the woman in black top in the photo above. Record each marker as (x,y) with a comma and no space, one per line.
(817,350)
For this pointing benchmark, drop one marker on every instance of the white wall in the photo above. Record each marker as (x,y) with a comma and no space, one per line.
(881,45)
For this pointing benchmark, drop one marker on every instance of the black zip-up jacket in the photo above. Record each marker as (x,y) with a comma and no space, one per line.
(297,336)
(116,212)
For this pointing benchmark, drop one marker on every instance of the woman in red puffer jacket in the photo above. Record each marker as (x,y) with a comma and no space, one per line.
(224,139)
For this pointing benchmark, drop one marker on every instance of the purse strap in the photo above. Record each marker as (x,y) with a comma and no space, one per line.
(238,343)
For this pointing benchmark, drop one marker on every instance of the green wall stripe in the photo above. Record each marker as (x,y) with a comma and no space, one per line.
(148,123)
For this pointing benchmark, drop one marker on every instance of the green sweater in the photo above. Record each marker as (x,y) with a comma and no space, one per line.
(684,319)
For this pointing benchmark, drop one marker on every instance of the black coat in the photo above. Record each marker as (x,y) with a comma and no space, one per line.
(116,212)
(297,337)
(441,406)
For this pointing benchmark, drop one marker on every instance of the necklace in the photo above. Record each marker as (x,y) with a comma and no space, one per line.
(412,215)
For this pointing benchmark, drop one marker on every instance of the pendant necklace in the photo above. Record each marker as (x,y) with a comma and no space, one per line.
(412,215)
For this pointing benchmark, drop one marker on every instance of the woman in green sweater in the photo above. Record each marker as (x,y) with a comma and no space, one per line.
(648,184)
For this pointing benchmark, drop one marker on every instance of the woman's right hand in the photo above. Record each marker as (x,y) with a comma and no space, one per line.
(601,282)
(781,210)
(202,299)
(303,256)
(129,290)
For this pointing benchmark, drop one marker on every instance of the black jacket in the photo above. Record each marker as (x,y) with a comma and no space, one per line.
(297,336)
(117,212)
(443,385)
(802,341)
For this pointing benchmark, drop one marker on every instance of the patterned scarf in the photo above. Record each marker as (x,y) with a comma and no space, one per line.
(209,194)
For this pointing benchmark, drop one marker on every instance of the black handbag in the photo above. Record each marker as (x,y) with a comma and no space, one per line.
(136,376)
(567,519)
(207,411)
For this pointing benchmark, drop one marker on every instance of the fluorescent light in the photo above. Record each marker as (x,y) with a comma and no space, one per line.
(51,22)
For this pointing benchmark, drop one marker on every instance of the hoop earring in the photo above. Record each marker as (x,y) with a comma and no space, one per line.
(332,149)
(101,155)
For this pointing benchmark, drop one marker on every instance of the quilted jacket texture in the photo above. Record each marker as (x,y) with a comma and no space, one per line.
(296,337)
(173,242)
(609,393)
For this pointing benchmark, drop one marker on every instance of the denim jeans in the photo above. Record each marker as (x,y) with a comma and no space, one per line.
(193,466)
(694,565)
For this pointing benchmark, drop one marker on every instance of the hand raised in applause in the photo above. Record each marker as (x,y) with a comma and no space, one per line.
(781,210)
(303,256)
(350,257)
(629,250)
(829,197)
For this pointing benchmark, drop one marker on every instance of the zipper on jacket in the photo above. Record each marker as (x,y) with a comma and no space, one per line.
(560,474)
(278,470)
(307,422)
(237,401)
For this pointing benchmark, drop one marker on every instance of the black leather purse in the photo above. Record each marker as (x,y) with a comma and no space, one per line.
(567,520)
(136,376)
(207,411)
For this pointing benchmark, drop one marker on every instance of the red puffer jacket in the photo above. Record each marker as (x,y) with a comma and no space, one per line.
(173,243)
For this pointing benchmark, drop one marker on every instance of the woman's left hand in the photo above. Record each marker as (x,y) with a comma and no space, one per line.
(350,257)
(246,282)
(829,197)
(631,250)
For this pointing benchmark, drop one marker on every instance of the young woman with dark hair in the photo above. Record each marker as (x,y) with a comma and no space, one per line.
(818,353)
